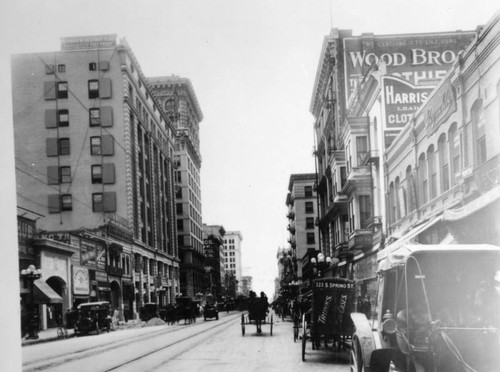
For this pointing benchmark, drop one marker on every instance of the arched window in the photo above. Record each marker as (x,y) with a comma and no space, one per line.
(422,179)
(455,153)
(444,166)
(392,204)
(399,200)
(478,123)
(411,195)
(432,177)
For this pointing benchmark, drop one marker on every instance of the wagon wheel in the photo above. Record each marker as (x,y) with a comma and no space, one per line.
(356,357)
(304,340)
(271,332)
(242,325)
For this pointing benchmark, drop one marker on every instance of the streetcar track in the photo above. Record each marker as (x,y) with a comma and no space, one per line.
(99,349)
(133,360)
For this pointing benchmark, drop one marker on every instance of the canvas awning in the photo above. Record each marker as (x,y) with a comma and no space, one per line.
(43,293)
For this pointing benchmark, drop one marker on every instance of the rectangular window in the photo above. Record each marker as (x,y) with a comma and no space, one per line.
(365,211)
(61,68)
(66,202)
(178,208)
(362,150)
(95,117)
(481,149)
(95,145)
(64,174)
(309,207)
(309,223)
(62,89)
(64,146)
(96,174)
(92,66)
(93,89)
(63,118)
(97,202)
(308,191)
(310,238)
(180,225)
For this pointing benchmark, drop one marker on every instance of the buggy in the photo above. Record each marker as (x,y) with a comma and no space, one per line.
(257,314)
(328,319)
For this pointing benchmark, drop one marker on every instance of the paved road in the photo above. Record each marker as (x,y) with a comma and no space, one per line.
(211,346)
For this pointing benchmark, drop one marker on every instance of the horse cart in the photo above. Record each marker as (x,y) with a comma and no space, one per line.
(257,314)
(328,320)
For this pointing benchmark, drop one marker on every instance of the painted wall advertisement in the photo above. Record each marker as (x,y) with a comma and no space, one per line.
(81,284)
(414,63)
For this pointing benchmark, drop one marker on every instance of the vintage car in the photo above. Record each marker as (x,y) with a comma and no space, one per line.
(438,309)
(92,317)
(211,310)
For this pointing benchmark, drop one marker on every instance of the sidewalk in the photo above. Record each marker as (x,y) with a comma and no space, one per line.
(51,334)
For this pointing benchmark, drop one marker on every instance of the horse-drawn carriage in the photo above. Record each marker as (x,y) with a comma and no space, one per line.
(258,314)
(329,320)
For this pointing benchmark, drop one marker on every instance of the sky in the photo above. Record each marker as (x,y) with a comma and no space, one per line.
(252,65)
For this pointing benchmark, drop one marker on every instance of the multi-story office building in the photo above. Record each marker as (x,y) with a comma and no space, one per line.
(246,283)
(303,233)
(177,97)
(232,256)
(213,247)
(352,135)
(94,151)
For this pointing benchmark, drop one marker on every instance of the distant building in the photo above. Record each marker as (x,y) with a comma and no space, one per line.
(177,97)
(303,233)
(232,256)
(246,284)
(213,246)
(94,152)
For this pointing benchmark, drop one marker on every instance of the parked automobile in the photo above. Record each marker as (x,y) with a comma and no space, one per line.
(211,308)
(93,317)
(437,309)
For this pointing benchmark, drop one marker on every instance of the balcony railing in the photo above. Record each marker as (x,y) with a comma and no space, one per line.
(117,271)
(361,239)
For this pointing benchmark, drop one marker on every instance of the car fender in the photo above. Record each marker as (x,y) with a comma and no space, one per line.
(363,333)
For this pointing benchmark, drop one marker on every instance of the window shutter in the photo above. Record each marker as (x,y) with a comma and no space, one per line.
(104,66)
(49,90)
(54,204)
(108,173)
(106,116)
(50,118)
(109,201)
(52,175)
(52,148)
(107,145)
(105,88)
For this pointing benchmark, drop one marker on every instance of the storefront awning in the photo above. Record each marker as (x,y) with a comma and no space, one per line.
(472,207)
(43,293)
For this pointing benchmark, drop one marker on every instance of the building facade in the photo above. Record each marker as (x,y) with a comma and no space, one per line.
(302,205)
(94,156)
(443,169)
(178,99)
(232,257)
(352,131)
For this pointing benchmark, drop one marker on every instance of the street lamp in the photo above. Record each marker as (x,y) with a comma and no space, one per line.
(31,274)
(321,263)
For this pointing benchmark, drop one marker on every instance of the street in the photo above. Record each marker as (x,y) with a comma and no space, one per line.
(211,345)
